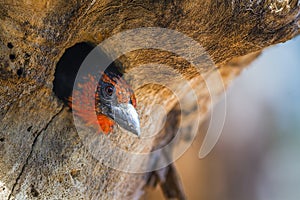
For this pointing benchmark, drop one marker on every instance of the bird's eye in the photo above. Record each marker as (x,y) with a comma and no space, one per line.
(109,90)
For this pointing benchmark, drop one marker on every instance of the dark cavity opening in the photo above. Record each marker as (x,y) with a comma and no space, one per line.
(10,45)
(12,57)
(34,192)
(20,72)
(70,63)
(29,128)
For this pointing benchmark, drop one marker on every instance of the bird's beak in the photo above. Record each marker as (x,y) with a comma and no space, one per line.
(127,117)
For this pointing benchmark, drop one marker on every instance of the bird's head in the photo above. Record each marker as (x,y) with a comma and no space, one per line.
(114,103)
(116,100)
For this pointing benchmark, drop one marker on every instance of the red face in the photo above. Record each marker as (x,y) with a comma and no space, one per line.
(113,98)
(116,88)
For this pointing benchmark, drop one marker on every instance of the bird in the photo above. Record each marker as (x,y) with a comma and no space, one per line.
(114,100)
(115,103)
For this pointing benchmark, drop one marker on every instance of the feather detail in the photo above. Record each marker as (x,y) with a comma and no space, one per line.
(82,104)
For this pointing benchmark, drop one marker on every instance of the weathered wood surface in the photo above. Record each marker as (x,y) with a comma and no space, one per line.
(41,155)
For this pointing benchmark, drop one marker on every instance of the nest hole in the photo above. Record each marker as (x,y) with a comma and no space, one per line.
(70,63)
(67,68)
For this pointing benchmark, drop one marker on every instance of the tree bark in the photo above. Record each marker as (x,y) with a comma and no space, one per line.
(41,154)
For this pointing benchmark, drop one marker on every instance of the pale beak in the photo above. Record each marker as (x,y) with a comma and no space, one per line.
(127,117)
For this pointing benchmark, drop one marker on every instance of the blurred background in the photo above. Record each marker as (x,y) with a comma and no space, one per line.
(258,154)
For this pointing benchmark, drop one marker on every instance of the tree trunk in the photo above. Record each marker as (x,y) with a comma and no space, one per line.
(41,153)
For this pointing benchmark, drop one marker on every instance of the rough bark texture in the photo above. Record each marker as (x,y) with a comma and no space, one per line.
(41,154)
